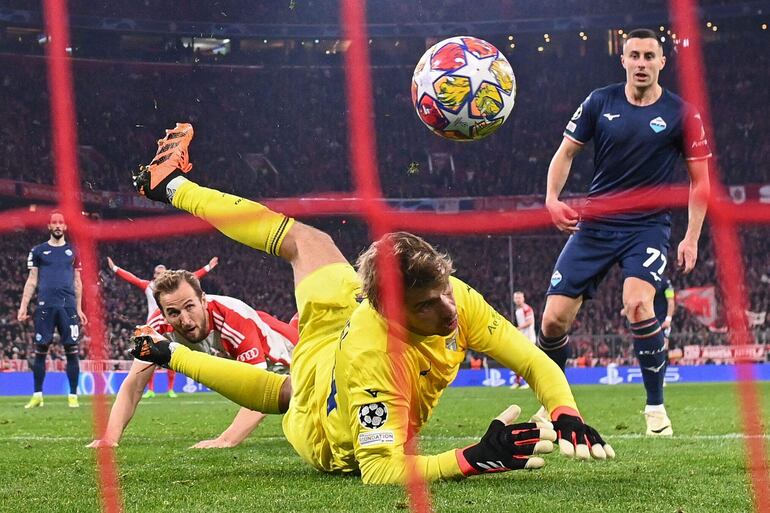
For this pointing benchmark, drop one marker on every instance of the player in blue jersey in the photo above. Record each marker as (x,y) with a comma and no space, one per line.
(639,130)
(54,271)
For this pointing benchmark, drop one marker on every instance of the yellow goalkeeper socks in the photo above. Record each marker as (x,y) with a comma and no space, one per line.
(246,221)
(249,386)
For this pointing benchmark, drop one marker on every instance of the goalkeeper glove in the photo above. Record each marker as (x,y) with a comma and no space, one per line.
(150,346)
(506,446)
(578,439)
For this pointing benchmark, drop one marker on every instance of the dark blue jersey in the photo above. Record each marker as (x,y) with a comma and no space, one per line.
(56,274)
(635,148)
(663,291)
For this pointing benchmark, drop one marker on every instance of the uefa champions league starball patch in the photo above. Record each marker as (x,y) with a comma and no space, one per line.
(373,416)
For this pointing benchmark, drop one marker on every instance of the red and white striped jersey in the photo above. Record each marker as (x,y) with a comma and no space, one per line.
(524,315)
(239,332)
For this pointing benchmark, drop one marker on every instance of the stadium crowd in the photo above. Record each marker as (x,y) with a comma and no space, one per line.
(300,11)
(482,261)
(296,118)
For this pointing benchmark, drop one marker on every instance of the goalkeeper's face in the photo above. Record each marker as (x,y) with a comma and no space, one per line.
(186,312)
(431,310)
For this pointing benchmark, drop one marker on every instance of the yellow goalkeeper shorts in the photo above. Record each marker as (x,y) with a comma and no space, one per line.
(326,299)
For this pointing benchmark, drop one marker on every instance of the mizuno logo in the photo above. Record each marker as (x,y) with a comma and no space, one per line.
(371,392)
(46,252)
(611,116)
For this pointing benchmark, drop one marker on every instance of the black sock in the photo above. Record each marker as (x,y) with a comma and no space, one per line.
(557,348)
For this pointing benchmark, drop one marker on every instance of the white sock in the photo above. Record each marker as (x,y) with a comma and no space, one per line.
(659,408)
(73,395)
(173,185)
(38,394)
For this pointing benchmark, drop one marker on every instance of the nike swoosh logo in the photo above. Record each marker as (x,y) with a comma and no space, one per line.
(661,429)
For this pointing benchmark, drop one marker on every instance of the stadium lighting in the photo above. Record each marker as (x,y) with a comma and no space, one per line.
(510,38)
(764,26)
(513,45)
(708,24)
(539,48)
(714,28)
(620,32)
(662,28)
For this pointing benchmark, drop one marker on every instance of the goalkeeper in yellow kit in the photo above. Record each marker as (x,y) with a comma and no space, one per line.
(353,399)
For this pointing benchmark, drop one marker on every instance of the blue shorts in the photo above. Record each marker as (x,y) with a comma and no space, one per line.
(64,319)
(589,254)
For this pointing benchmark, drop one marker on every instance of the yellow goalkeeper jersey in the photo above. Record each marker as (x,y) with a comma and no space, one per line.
(377,398)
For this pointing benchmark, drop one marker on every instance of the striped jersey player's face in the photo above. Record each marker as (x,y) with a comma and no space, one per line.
(186,312)
(642,59)
(431,310)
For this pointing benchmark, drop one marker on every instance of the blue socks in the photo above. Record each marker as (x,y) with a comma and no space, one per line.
(73,368)
(38,367)
(649,349)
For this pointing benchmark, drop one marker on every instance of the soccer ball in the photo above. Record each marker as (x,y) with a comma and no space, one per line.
(463,88)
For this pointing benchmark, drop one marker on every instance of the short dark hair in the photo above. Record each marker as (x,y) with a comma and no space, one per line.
(169,281)
(644,33)
(421,265)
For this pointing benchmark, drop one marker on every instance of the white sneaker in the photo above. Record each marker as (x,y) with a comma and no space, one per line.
(541,415)
(515,386)
(658,424)
(524,386)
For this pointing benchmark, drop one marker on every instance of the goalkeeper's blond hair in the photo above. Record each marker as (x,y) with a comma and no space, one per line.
(421,265)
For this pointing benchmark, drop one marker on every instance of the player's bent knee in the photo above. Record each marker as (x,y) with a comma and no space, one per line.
(555,325)
(638,309)
(41,349)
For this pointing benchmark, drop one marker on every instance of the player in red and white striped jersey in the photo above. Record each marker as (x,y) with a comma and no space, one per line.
(237,331)
(148,287)
(525,322)
(219,325)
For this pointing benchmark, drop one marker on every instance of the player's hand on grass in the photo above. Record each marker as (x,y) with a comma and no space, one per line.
(102,443)
(687,255)
(150,346)
(578,439)
(507,446)
(216,443)
(563,216)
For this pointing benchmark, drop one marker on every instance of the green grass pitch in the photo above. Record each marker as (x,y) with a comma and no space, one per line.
(44,465)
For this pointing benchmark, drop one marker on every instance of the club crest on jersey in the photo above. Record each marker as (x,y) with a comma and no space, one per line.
(373,416)
(658,125)
(555,278)
(68,252)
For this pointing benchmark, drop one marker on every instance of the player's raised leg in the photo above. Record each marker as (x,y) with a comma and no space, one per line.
(649,347)
(246,221)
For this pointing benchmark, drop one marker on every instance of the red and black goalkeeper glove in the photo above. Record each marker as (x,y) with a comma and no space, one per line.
(578,439)
(150,346)
(506,446)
